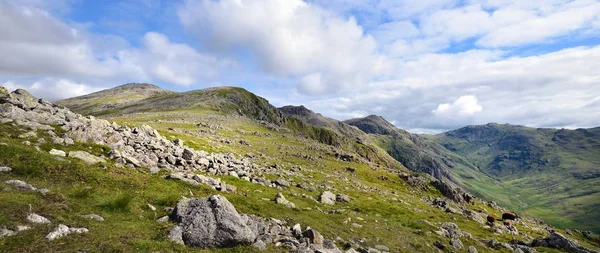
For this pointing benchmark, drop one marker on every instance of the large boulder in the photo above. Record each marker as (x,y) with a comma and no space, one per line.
(327,197)
(558,241)
(210,222)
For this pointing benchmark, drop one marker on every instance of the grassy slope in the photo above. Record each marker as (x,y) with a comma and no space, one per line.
(523,168)
(120,195)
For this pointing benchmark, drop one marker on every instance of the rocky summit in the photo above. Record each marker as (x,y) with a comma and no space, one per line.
(222,170)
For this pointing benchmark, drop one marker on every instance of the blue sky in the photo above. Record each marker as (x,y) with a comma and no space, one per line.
(427,66)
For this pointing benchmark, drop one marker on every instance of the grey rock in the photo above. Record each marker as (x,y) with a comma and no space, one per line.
(154,170)
(163,219)
(5,169)
(20,185)
(57,152)
(260,245)
(456,243)
(382,248)
(63,230)
(27,135)
(280,199)
(6,232)
(36,218)
(558,241)
(327,197)
(92,217)
(86,157)
(282,182)
(297,230)
(176,234)
(188,154)
(343,198)
(313,236)
(472,249)
(211,222)
(23,228)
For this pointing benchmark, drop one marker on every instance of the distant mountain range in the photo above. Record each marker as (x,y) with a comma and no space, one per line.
(553,174)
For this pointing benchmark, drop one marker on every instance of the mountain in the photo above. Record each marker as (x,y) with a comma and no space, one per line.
(550,173)
(316,119)
(111,99)
(218,170)
(409,149)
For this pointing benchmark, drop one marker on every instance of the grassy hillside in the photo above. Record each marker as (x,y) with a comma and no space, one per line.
(552,174)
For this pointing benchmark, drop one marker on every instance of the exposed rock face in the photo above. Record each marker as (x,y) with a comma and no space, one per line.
(451,192)
(141,147)
(559,241)
(210,222)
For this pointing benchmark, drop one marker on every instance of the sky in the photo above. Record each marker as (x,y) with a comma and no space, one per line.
(427,66)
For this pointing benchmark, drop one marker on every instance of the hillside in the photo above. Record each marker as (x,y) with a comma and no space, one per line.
(116,184)
(111,99)
(550,173)
(409,149)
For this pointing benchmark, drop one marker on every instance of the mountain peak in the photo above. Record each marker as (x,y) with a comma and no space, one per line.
(373,124)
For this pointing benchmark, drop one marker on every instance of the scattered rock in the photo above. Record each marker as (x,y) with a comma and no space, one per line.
(342,198)
(36,218)
(314,236)
(57,152)
(209,223)
(327,197)
(6,232)
(92,217)
(63,230)
(260,245)
(86,157)
(163,219)
(5,169)
(20,185)
(280,199)
(472,249)
(559,241)
(282,182)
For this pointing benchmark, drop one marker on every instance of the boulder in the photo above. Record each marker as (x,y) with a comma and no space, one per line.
(280,199)
(57,152)
(36,218)
(86,157)
(5,169)
(63,230)
(327,197)
(211,222)
(343,198)
(20,185)
(558,241)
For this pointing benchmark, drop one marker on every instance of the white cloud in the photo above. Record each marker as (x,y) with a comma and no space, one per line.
(463,106)
(288,38)
(51,89)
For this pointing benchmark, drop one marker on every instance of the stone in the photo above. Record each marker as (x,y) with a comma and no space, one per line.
(36,218)
(20,185)
(163,219)
(297,230)
(176,234)
(154,170)
(260,245)
(86,157)
(188,154)
(27,135)
(456,243)
(92,217)
(280,199)
(282,182)
(558,241)
(382,248)
(472,249)
(22,228)
(6,232)
(314,236)
(211,222)
(327,198)
(5,169)
(62,230)
(57,152)
(342,198)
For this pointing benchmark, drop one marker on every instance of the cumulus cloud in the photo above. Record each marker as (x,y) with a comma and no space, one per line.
(288,38)
(463,106)
(52,89)
(44,52)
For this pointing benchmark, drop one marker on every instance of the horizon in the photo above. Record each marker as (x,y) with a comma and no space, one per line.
(426,67)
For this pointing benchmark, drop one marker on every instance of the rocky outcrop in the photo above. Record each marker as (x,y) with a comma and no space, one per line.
(558,241)
(211,222)
(454,193)
(139,147)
